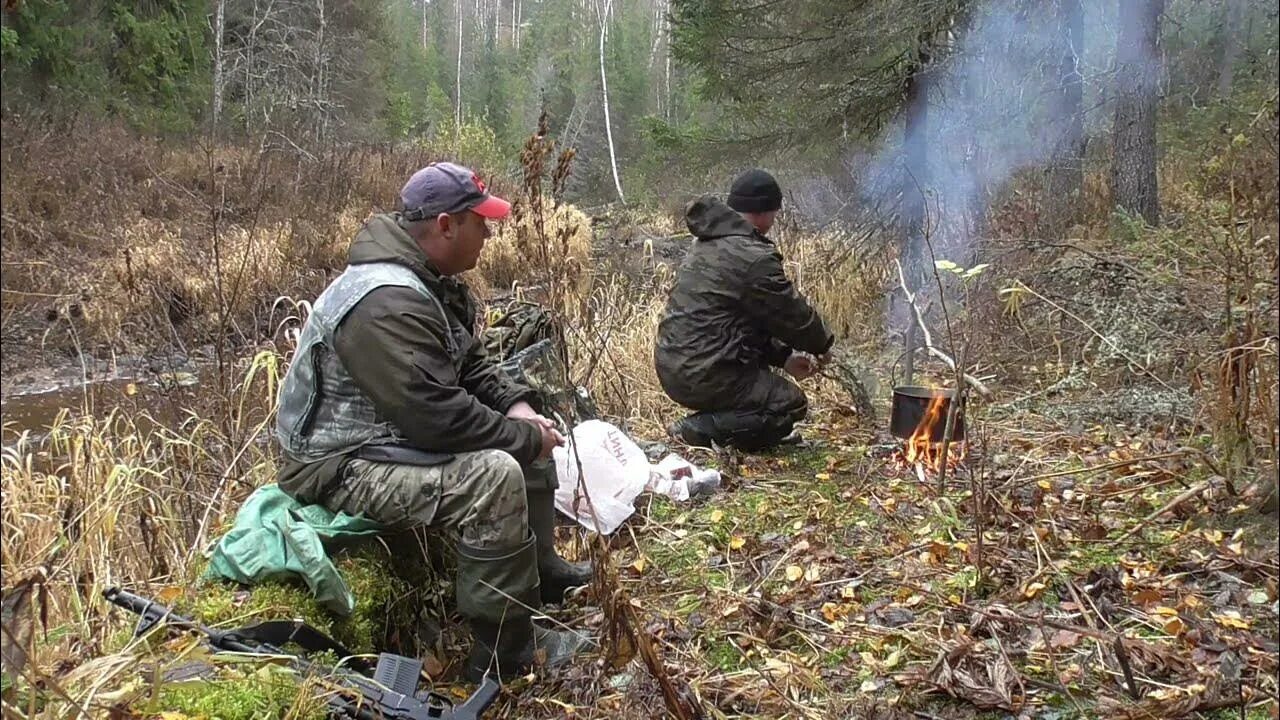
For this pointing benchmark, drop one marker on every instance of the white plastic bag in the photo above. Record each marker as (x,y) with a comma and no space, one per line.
(680,479)
(616,471)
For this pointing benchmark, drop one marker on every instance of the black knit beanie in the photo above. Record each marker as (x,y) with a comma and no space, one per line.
(755,191)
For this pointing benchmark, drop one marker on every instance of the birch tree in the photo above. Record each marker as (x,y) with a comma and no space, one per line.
(219,27)
(603,11)
(457,85)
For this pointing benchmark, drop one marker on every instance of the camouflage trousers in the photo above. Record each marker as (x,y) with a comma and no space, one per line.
(479,494)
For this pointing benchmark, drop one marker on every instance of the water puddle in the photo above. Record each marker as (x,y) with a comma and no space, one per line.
(34,410)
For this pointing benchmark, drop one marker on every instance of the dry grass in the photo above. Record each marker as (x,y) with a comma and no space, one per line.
(126,498)
(505,263)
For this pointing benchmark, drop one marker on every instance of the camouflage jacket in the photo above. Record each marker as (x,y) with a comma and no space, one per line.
(395,345)
(732,311)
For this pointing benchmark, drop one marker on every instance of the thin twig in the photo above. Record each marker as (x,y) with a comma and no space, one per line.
(973,382)
(1167,507)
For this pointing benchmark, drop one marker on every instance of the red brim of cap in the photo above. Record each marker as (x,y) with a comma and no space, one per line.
(492,207)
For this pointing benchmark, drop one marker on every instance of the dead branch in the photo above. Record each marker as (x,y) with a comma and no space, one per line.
(972,381)
(1166,508)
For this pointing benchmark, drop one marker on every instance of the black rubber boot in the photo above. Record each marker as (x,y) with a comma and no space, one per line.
(742,429)
(693,430)
(556,574)
(498,588)
(511,649)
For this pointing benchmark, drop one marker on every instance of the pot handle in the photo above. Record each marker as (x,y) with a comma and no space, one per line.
(893,369)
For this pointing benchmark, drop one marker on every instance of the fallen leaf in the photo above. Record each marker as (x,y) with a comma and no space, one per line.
(822,476)
(639,564)
(432,665)
(717,516)
(814,573)
(778,668)
(1031,590)
(1064,639)
(794,573)
(1231,619)
(736,542)
(1147,597)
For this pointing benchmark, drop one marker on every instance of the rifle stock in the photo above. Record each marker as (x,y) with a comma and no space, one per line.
(363,698)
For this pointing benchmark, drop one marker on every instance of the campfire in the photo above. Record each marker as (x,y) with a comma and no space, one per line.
(919,419)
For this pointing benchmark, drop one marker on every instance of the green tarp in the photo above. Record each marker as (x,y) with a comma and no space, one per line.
(277,538)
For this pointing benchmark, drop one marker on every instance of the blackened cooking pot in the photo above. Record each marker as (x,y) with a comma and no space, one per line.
(911,402)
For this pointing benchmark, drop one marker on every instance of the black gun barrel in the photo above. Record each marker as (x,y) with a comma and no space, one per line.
(375,702)
(152,612)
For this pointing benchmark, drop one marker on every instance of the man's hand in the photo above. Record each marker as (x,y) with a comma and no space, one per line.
(801,366)
(551,437)
(524,411)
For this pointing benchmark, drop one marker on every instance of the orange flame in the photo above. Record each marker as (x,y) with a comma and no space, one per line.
(920,450)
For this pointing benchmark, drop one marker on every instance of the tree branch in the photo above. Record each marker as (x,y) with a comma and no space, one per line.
(972,381)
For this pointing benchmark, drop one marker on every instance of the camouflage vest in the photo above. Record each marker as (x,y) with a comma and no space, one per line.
(322,413)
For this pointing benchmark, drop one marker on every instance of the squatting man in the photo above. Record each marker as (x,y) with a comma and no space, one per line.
(733,316)
(392,410)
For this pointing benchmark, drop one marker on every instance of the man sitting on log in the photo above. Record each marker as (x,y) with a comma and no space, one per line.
(392,410)
(732,316)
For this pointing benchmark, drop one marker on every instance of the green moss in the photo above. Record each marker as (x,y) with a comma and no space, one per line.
(837,657)
(662,509)
(266,692)
(678,557)
(721,654)
(391,596)
(1087,556)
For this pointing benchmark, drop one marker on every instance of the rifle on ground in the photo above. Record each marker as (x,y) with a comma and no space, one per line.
(390,693)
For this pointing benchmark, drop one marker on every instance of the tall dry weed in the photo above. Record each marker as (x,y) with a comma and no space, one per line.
(128,498)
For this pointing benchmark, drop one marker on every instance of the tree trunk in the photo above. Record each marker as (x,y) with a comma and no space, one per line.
(1133,164)
(1066,175)
(219,81)
(1230,46)
(320,85)
(424,24)
(603,13)
(457,86)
